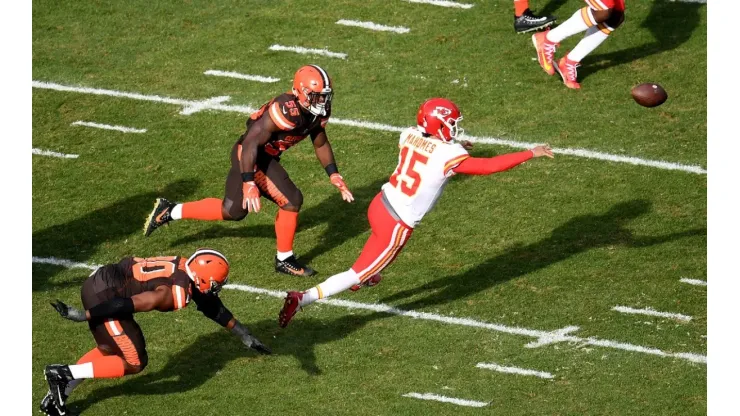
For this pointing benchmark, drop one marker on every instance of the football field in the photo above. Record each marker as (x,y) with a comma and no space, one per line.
(572,286)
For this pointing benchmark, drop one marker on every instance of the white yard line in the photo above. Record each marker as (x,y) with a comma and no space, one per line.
(373,26)
(443,3)
(651,312)
(514,370)
(542,337)
(228,74)
(108,127)
(445,399)
(695,282)
(192,106)
(308,51)
(42,152)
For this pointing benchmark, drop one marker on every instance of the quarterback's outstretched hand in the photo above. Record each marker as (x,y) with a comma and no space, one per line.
(69,312)
(251,197)
(337,180)
(544,150)
(249,340)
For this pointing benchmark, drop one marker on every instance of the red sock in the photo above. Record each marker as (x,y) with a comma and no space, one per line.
(208,209)
(520,6)
(90,356)
(285,224)
(109,366)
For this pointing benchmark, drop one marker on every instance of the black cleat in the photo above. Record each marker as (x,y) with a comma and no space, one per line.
(160,215)
(529,22)
(58,376)
(292,267)
(48,407)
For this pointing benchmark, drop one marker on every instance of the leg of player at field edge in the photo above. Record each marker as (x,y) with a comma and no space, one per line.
(526,21)
(598,20)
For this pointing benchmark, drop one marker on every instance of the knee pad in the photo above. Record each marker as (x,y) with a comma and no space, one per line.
(295,199)
(234,209)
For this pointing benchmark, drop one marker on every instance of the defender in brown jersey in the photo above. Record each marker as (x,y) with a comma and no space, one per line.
(114,292)
(256,172)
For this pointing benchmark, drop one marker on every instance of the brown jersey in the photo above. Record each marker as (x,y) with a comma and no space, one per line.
(294,122)
(134,275)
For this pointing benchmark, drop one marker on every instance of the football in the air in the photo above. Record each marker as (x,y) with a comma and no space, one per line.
(649,95)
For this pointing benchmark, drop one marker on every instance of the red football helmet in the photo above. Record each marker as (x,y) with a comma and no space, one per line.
(208,269)
(439,117)
(313,88)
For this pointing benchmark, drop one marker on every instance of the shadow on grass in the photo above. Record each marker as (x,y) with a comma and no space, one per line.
(345,221)
(671,24)
(79,239)
(576,236)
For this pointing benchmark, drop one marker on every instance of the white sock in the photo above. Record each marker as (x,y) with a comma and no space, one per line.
(570,27)
(71,385)
(176,213)
(594,37)
(330,287)
(81,370)
(284,255)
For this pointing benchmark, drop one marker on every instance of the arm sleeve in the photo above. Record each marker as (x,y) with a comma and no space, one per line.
(487,166)
(213,308)
(181,291)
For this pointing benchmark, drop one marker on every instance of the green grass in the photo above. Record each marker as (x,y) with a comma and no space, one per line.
(546,245)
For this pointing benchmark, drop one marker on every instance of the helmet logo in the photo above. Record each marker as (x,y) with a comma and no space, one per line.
(442,111)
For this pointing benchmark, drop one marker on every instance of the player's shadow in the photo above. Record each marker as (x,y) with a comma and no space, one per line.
(80,238)
(576,236)
(671,24)
(343,222)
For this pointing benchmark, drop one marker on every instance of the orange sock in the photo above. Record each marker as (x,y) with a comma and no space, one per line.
(109,366)
(286,223)
(208,209)
(520,6)
(90,356)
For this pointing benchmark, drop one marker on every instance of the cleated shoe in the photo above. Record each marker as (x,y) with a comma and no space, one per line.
(529,22)
(290,307)
(58,376)
(292,267)
(568,71)
(545,51)
(48,407)
(160,215)
(370,282)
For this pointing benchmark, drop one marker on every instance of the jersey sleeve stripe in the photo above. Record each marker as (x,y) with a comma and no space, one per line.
(454,162)
(178,294)
(279,119)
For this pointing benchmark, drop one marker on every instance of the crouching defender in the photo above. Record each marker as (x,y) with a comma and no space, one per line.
(428,157)
(111,296)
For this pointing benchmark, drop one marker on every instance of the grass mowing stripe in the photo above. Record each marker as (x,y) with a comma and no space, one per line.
(514,370)
(122,129)
(652,312)
(445,399)
(543,337)
(216,103)
(41,152)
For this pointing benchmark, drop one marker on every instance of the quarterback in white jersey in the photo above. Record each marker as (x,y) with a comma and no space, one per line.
(429,155)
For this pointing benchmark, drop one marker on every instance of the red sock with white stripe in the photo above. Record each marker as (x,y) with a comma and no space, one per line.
(107,366)
(331,286)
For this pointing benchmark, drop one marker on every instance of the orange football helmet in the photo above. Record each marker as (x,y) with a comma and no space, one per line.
(313,88)
(208,269)
(440,117)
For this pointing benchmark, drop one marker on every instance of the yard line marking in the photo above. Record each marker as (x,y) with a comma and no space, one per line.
(652,312)
(258,78)
(445,399)
(192,106)
(443,3)
(514,370)
(309,51)
(373,26)
(107,127)
(64,263)
(41,152)
(544,337)
(695,282)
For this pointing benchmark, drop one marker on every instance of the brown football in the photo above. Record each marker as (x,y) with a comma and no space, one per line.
(649,95)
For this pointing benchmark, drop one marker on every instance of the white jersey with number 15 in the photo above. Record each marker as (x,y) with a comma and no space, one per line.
(424,166)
